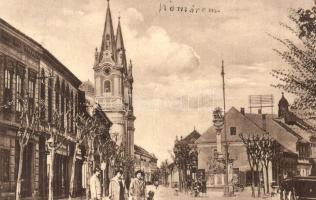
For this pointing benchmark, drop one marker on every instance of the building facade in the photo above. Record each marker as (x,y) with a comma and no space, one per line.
(113,82)
(293,134)
(146,162)
(29,70)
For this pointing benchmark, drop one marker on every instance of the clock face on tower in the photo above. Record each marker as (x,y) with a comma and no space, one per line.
(106,70)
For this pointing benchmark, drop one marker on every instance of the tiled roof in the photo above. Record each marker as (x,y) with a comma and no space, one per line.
(192,137)
(138,150)
(208,136)
(287,135)
(233,118)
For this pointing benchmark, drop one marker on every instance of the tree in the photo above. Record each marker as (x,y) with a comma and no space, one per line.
(124,162)
(107,150)
(29,121)
(250,149)
(257,159)
(91,141)
(57,137)
(300,76)
(266,144)
(164,171)
(182,154)
(84,124)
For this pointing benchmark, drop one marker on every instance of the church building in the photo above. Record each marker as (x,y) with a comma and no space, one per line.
(113,83)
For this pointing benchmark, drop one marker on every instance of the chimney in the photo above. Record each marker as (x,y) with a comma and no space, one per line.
(259,111)
(264,122)
(242,111)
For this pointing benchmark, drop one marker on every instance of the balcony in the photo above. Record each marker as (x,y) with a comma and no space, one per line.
(111,103)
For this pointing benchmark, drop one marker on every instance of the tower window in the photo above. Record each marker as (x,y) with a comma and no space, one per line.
(107,86)
(107,38)
(233,131)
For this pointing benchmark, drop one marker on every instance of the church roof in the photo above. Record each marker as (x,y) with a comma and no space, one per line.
(120,45)
(108,38)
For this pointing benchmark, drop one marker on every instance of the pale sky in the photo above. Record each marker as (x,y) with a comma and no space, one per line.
(176,56)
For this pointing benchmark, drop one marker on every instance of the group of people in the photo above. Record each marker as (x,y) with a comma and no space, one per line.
(117,187)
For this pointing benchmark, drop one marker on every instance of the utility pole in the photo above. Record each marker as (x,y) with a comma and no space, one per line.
(227,192)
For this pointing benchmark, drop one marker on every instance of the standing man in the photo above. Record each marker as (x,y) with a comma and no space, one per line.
(137,189)
(95,185)
(117,189)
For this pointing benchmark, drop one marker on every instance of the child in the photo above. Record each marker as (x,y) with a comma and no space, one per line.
(150,195)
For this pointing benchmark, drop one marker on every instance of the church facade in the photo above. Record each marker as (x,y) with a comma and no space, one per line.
(113,83)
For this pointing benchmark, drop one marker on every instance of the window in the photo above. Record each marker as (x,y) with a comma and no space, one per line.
(233,131)
(72,111)
(43,85)
(19,94)
(50,100)
(4,165)
(62,104)
(67,109)
(57,86)
(7,89)
(7,78)
(31,86)
(107,38)
(107,86)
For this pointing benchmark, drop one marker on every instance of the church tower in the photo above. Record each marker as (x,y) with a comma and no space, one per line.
(114,84)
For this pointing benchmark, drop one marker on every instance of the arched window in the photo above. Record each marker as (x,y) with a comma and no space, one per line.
(107,86)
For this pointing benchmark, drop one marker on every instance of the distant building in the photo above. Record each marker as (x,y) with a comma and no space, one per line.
(191,173)
(291,132)
(146,162)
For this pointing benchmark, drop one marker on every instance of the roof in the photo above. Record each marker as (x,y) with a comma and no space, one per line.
(286,135)
(192,137)
(138,150)
(234,118)
(208,136)
(45,54)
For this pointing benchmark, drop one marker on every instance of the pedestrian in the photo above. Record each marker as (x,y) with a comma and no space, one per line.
(137,189)
(95,185)
(156,183)
(117,189)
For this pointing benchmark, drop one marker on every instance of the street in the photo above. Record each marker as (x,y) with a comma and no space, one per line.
(164,193)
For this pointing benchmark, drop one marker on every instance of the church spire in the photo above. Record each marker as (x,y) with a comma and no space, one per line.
(121,56)
(119,36)
(108,38)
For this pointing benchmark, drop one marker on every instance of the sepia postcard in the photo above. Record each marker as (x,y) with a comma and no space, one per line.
(157,99)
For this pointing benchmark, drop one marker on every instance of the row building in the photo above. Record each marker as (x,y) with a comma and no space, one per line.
(30,71)
(295,136)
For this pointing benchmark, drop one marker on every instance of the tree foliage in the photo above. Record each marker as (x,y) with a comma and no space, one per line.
(299,78)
